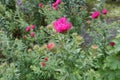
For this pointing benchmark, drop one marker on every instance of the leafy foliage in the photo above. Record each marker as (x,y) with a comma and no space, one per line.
(51,55)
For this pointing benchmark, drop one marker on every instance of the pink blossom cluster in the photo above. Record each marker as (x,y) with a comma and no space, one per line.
(96,14)
(55,5)
(62,25)
(28,29)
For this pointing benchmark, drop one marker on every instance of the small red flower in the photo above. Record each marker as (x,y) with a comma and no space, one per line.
(112,44)
(51,46)
(46,59)
(43,64)
(33,26)
(55,7)
(40,5)
(32,34)
(28,29)
(104,11)
(56,4)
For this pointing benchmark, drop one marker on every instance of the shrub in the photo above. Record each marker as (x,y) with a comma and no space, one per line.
(45,40)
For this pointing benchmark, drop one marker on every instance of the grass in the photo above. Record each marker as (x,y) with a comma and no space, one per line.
(114,10)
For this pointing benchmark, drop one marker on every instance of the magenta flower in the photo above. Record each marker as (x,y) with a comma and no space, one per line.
(95,14)
(55,7)
(28,29)
(32,34)
(40,5)
(104,11)
(62,25)
(33,26)
(56,4)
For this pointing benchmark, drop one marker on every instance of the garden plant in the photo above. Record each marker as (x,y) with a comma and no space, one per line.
(59,40)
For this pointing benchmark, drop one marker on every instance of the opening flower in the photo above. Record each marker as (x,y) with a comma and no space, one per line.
(55,5)
(95,14)
(104,11)
(40,5)
(43,64)
(62,25)
(51,46)
(112,44)
(32,34)
(28,29)
(33,26)
(58,2)
(46,59)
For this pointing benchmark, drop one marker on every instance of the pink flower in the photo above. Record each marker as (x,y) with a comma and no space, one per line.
(112,44)
(95,14)
(32,34)
(40,5)
(51,46)
(55,7)
(43,64)
(104,11)
(33,26)
(62,25)
(56,4)
(46,59)
(28,29)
